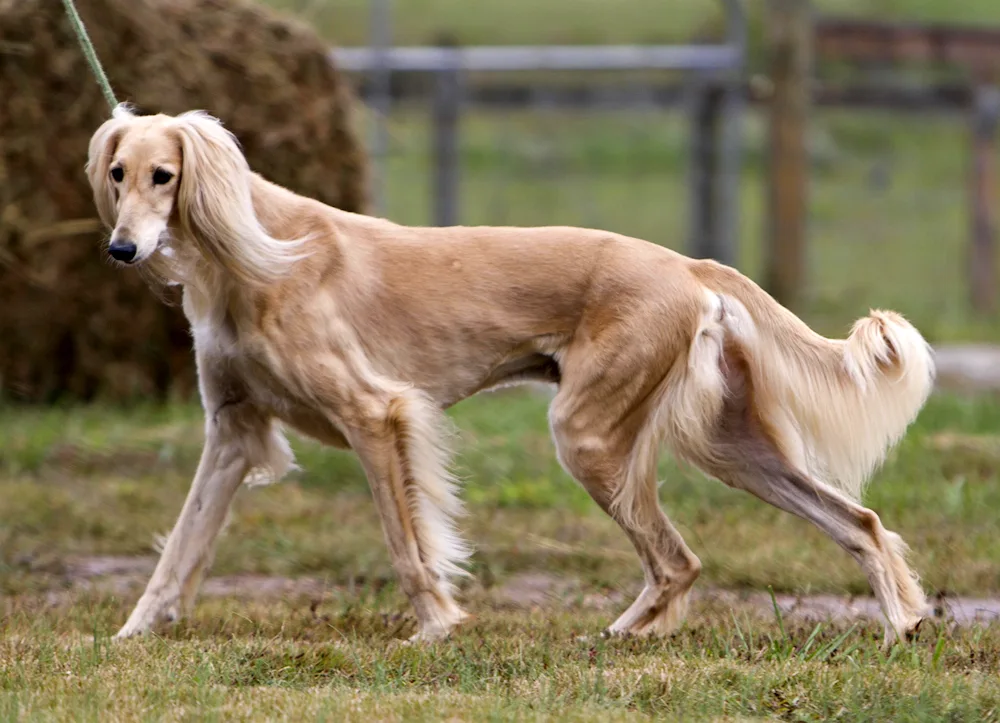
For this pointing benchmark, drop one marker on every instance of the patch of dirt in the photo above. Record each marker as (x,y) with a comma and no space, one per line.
(532,590)
(981,445)
(120,574)
(263,586)
(529,590)
(822,607)
(84,568)
(968,367)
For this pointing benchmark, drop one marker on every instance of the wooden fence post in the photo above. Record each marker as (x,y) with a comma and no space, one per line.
(983,199)
(790,51)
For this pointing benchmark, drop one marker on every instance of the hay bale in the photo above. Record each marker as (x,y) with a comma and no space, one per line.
(70,325)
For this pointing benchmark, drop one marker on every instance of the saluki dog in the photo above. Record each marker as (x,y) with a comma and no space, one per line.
(359,332)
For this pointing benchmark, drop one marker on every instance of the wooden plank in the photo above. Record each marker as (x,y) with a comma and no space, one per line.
(587,95)
(514,58)
(789,58)
(983,200)
(864,40)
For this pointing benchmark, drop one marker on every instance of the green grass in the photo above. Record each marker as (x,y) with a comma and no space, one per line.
(293,661)
(91,481)
(87,481)
(495,22)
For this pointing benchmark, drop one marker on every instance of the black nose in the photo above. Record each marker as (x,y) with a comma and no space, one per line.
(122,250)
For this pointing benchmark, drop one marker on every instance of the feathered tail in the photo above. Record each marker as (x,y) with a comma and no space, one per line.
(837,406)
(833,408)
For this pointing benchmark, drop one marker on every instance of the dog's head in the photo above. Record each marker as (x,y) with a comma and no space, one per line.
(161,180)
(134,168)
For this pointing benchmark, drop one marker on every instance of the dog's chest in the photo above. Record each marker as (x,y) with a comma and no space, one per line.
(261,375)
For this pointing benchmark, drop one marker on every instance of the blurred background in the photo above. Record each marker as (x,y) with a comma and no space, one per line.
(841,153)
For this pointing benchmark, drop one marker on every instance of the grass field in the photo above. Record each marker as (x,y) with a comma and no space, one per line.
(302,617)
(490,22)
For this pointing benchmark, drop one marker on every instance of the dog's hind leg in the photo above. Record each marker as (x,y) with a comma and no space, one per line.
(669,566)
(601,425)
(855,528)
(238,438)
(398,436)
(743,456)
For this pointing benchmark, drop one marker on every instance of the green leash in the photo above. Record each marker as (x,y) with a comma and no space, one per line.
(91,55)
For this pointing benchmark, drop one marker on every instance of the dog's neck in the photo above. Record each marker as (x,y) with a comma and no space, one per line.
(211,292)
(278,209)
(209,297)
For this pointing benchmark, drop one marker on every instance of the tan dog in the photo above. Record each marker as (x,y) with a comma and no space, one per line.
(358,332)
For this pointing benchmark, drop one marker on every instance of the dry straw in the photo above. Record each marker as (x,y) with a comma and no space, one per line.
(70,325)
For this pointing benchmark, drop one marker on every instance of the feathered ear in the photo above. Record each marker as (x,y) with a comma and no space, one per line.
(103,145)
(215,204)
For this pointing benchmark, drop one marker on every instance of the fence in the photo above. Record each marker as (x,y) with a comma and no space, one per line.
(621,138)
(970,58)
(716,101)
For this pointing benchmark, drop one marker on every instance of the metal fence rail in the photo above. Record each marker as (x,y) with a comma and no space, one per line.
(716,110)
(486,59)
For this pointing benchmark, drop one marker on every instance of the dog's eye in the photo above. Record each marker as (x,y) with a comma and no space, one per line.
(160,177)
(117,174)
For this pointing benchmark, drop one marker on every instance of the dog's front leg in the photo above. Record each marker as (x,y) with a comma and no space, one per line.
(400,447)
(187,553)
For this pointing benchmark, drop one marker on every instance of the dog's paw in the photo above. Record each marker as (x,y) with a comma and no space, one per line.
(131,631)
(907,635)
(913,630)
(147,615)
(613,633)
(429,634)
